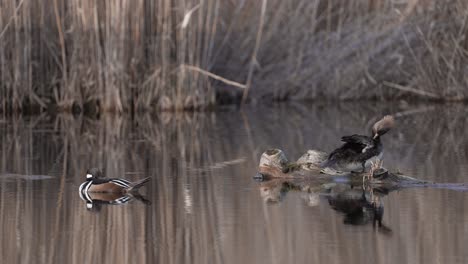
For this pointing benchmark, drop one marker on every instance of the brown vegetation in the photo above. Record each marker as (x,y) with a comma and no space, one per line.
(143,55)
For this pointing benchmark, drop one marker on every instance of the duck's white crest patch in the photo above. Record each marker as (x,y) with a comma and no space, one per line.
(88,176)
(89,205)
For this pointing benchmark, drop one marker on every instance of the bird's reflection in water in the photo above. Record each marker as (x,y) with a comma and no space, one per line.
(360,205)
(95,201)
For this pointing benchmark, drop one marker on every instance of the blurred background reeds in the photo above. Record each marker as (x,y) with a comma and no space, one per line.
(126,56)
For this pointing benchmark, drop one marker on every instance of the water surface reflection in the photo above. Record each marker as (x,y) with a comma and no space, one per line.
(205,207)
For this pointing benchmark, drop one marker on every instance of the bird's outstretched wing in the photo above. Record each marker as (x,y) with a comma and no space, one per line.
(358,143)
(353,146)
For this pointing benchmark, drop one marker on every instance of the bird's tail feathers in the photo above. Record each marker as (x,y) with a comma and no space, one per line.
(136,185)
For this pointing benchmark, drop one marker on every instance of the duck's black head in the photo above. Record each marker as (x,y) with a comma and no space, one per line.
(93,173)
(383,126)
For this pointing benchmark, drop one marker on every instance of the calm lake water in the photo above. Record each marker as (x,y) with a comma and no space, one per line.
(205,206)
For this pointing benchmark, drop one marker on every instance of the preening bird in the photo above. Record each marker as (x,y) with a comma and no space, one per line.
(359,152)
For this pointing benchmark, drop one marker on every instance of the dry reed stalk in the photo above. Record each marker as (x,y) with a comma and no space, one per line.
(126,56)
(253,60)
(216,77)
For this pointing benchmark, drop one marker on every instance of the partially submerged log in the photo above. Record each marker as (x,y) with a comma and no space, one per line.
(275,158)
(359,201)
(275,165)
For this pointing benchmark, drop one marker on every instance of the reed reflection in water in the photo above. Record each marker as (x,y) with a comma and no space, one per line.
(205,207)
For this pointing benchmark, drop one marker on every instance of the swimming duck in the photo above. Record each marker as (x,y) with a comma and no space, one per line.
(96,183)
(94,200)
(358,151)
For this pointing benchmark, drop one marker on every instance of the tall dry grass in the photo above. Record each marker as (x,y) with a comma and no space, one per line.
(142,55)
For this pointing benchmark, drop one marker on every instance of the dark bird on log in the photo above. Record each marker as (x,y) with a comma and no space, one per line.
(359,152)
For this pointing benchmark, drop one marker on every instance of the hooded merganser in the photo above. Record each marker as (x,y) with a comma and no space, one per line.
(359,151)
(94,201)
(95,183)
